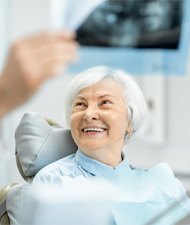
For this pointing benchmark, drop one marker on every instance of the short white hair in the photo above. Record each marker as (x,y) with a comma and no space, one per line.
(135,101)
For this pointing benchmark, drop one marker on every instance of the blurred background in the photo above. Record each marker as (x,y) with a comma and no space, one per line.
(162,72)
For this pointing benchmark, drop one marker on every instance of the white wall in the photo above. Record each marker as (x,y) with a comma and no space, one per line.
(29,16)
(3,29)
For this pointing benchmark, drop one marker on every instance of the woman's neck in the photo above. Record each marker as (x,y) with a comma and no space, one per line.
(106,157)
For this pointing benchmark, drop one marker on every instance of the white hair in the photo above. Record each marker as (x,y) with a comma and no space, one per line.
(135,101)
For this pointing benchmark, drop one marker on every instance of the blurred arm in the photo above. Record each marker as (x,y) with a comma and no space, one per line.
(30,62)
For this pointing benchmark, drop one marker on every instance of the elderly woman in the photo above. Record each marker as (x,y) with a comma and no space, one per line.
(104,108)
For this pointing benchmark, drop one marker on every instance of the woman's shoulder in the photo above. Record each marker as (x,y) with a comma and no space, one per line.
(165,176)
(162,176)
(156,171)
(159,170)
(52,172)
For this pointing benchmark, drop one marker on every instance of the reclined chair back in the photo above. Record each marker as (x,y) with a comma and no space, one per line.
(39,142)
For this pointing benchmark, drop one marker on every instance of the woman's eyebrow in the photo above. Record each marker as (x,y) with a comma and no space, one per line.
(107,95)
(80,97)
(100,97)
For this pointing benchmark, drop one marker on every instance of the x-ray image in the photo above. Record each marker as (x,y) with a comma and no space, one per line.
(133,23)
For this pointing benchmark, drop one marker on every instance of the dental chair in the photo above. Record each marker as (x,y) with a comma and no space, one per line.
(39,142)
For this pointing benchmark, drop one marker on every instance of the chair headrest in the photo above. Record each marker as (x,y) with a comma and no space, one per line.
(39,142)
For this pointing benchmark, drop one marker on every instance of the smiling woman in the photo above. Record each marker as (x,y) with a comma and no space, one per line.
(101,112)
(104,108)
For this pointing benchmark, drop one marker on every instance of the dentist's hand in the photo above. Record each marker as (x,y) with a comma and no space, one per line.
(32,60)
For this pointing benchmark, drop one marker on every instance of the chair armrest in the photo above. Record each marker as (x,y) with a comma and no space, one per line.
(3,194)
(2,208)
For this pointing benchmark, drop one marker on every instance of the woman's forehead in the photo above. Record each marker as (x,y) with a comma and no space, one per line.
(102,88)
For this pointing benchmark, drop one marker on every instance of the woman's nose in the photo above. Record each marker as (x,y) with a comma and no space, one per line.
(91,113)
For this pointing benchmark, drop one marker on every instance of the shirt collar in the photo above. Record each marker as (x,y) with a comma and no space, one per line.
(96,167)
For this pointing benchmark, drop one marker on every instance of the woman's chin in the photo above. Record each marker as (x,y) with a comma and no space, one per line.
(91,146)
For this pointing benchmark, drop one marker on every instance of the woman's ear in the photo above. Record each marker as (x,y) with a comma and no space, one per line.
(129,130)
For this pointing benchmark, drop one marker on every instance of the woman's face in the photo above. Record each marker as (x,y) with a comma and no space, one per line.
(99,120)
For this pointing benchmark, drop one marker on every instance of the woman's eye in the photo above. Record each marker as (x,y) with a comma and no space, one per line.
(105,102)
(79,104)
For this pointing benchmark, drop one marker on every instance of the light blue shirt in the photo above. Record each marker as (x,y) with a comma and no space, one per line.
(145,192)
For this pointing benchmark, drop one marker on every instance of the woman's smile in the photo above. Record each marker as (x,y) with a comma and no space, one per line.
(93,130)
